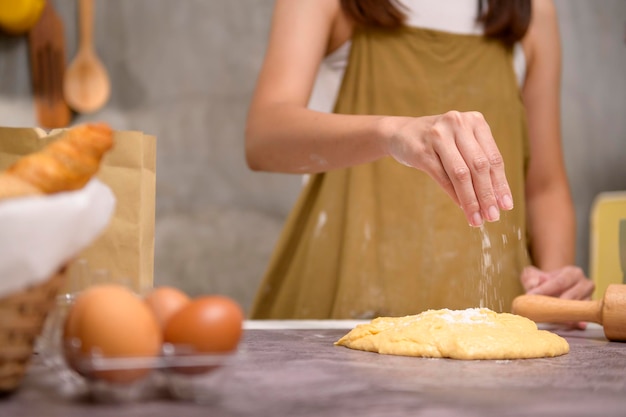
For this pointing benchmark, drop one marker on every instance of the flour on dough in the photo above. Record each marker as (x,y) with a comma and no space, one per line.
(475,333)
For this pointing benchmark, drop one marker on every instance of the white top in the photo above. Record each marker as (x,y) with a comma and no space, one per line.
(455,16)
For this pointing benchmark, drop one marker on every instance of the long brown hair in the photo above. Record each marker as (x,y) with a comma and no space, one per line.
(506,20)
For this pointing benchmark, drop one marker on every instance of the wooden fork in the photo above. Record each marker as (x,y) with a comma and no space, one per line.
(47,61)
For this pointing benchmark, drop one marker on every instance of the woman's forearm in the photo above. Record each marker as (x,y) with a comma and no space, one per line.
(552,226)
(292,139)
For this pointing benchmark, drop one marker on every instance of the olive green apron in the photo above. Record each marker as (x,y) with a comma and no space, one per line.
(383,239)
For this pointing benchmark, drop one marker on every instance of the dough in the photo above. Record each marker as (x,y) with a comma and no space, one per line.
(475,333)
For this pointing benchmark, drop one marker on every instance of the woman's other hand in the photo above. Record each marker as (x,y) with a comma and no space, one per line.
(569,283)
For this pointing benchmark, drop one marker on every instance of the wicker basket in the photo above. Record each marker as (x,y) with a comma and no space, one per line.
(22,316)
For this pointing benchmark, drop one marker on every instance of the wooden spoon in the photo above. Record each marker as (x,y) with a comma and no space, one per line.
(86,85)
(610,311)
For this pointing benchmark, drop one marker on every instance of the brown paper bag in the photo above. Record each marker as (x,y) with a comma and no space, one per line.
(126,248)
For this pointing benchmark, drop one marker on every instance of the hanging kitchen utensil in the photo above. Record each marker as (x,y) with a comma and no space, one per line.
(87,86)
(47,60)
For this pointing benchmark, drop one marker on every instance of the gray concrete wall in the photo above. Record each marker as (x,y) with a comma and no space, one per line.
(184,71)
(593,103)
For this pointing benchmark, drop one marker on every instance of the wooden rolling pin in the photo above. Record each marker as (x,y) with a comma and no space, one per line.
(610,312)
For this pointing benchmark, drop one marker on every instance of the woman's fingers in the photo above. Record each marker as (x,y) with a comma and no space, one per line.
(480,169)
(474,165)
(461,178)
(532,277)
(581,290)
(439,174)
(500,185)
(575,285)
(568,283)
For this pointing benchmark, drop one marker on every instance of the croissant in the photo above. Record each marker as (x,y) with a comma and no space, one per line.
(66,164)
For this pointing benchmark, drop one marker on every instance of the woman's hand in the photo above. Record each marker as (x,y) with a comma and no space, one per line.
(458,151)
(569,283)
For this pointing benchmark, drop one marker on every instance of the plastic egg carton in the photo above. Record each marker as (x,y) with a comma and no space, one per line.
(178,373)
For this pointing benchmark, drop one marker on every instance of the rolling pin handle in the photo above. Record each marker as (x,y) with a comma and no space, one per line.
(545,309)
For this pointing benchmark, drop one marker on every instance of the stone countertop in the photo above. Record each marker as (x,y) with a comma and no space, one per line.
(289,370)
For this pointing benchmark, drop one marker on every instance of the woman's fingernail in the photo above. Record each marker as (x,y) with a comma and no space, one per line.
(477,219)
(493,213)
(507,202)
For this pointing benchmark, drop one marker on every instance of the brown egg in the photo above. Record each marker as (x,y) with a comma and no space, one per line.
(111,320)
(209,324)
(164,302)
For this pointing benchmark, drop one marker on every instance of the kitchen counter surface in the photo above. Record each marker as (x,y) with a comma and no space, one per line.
(293,369)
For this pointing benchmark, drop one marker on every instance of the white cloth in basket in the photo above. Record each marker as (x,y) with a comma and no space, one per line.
(40,234)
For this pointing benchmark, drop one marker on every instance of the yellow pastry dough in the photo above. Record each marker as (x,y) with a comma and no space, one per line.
(476,333)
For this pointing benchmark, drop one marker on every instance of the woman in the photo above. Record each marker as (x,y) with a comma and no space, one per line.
(430,101)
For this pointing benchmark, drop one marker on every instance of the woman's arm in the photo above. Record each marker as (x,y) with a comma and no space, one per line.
(282,135)
(550,209)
